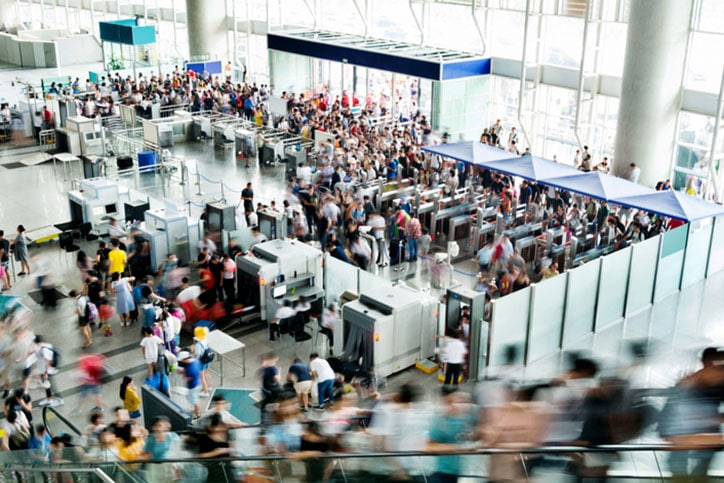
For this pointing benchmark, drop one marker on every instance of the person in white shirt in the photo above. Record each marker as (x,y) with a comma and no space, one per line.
(634,173)
(284,312)
(46,369)
(149,348)
(378,224)
(328,324)
(252,219)
(455,354)
(324,375)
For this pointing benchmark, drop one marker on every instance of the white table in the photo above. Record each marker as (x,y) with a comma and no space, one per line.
(67,159)
(222,344)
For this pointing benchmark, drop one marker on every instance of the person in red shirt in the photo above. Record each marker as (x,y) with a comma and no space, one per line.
(47,118)
(323,103)
(345,100)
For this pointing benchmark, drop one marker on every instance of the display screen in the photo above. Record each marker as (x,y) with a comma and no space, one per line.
(111,209)
(279,291)
(98,211)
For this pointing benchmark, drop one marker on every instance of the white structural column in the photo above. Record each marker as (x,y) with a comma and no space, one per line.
(651,87)
(7,12)
(207,30)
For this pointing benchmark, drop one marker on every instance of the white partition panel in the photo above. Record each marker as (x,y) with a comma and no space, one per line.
(581,295)
(509,326)
(368,280)
(697,252)
(338,277)
(716,251)
(642,275)
(612,287)
(547,306)
(671,262)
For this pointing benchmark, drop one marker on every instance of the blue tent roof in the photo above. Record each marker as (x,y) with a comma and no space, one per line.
(531,167)
(599,185)
(673,204)
(470,152)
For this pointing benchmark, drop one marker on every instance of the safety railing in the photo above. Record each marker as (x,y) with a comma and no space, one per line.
(622,463)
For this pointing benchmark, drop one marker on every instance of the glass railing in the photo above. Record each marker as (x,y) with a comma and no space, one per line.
(560,463)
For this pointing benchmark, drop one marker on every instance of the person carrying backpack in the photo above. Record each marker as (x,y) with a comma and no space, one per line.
(205,355)
(87,312)
(48,364)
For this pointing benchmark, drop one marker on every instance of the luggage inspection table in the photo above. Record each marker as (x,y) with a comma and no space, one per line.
(223,344)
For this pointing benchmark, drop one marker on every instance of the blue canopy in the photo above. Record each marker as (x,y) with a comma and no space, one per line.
(470,152)
(532,168)
(599,185)
(673,204)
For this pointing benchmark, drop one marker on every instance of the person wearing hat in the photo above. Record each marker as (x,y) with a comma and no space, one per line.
(192,375)
(199,348)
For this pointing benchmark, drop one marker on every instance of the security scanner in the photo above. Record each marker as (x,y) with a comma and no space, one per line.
(96,201)
(459,231)
(484,233)
(280,270)
(201,128)
(461,298)
(81,136)
(220,216)
(224,134)
(272,223)
(388,329)
(245,143)
(167,131)
(170,230)
(158,241)
(526,246)
(441,221)
(134,211)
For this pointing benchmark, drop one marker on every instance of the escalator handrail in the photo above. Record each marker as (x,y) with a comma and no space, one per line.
(62,418)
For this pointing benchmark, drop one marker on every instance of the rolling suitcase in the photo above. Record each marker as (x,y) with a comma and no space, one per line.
(124,162)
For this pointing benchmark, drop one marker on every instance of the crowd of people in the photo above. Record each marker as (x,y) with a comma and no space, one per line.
(321,206)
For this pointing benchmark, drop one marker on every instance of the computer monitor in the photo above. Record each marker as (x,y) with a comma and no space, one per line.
(111,209)
(98,211)
(279,291)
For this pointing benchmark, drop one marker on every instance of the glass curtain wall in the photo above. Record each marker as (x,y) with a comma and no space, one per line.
(555,30)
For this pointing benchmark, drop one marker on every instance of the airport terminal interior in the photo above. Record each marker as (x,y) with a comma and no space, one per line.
(362,240)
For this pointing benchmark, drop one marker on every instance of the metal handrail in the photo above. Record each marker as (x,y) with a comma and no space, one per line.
(99,473)
(473,451)
(61,417)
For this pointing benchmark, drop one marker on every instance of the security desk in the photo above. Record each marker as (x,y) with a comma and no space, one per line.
(222,344)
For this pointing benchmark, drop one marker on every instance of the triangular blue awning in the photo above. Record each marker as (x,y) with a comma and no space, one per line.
(599,185)
(470,152)
(673,204)
(533,168)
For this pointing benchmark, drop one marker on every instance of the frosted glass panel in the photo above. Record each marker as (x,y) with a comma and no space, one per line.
(671,261)
(338,277)
(697,252)
(546,317)
(581,294)
(369,280)
(716,254)
(613,286)
(643,274)
(509,326)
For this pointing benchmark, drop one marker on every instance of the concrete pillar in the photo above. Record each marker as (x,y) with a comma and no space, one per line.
(7,13)
(651,87)
(207,30)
